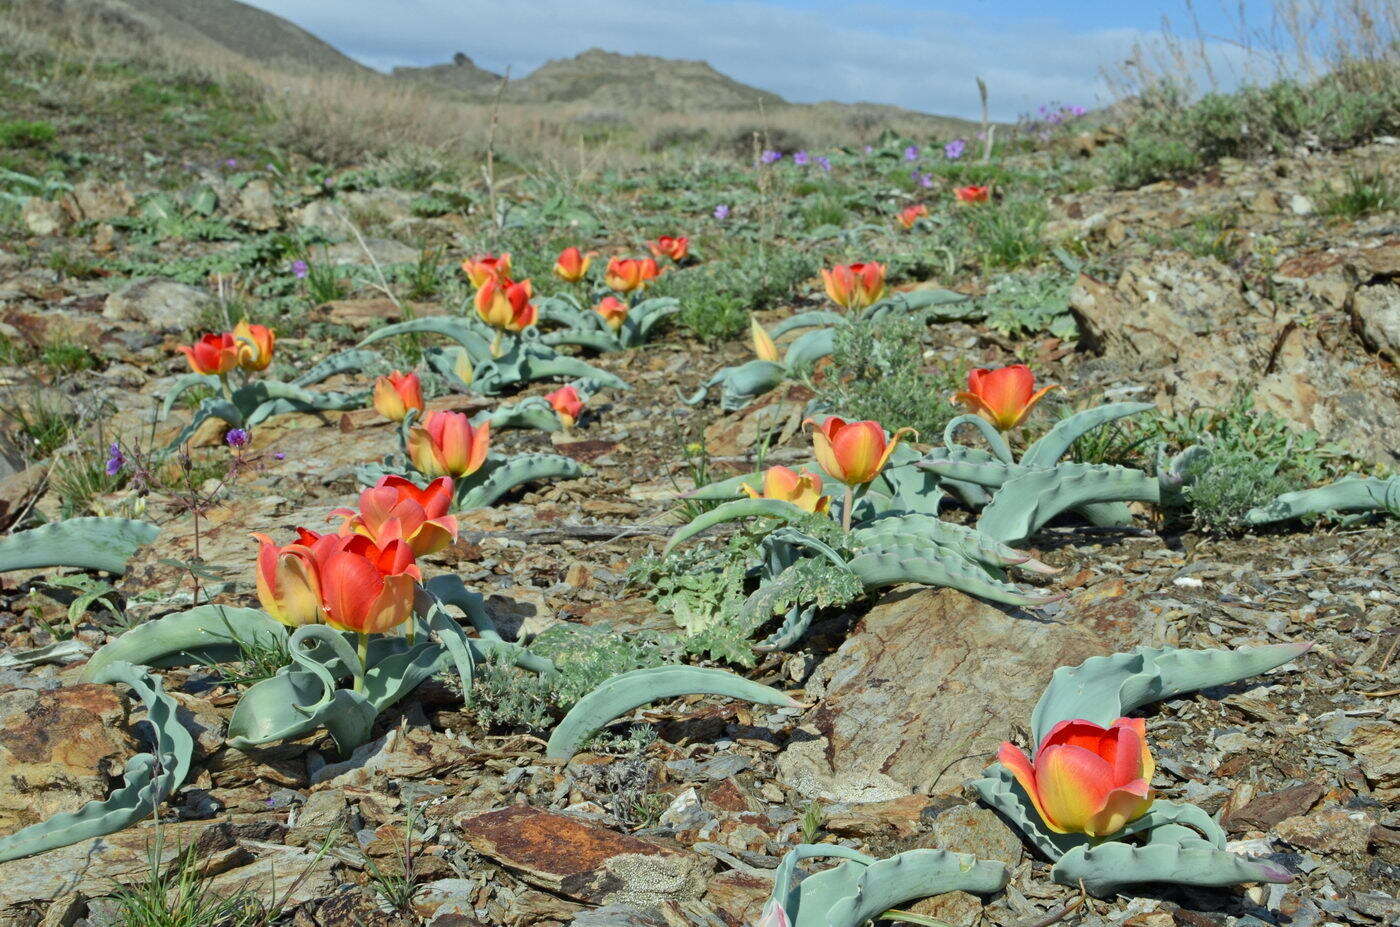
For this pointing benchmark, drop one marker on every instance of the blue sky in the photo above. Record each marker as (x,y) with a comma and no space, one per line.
(921,55)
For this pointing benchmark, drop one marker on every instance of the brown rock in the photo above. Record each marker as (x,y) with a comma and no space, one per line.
(94,200)
(1377,311)
(58,750)
(737,897)
(44,217)
(776,416)
(899,817)
(257,208)
(975,830)
(928,685)
(1331,830)
(584,861)
(1265,811)
(960,909)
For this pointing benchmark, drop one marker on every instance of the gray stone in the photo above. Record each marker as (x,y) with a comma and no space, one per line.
(257,209)
(384,251)
(1377,311)
(324,813)
(926,688)
(44,217)
(162,304)
(92,200)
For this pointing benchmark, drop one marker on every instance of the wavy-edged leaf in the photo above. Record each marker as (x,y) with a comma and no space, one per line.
(82,543)
(623,694)
(1112,865)
(1028,500)
(540,367)
(187,382)
(969,543)
(1048,450)
(890,566)
(204,633)
(1104,689)
(458,329)
(815,319)
(1353,494)
(148,779)
(731,511)
(810,347)
(534,412)
(498,477)
(351,361)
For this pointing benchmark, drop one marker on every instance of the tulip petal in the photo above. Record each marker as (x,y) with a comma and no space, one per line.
(1020,765)
(1120,807)
(1033,400)
(1073,783)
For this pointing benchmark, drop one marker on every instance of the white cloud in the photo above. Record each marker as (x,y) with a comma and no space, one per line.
(925,60)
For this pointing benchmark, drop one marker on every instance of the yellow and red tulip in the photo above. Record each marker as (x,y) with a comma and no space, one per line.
(625,274)
(803,490)
(255,345)
(485,267)
(446,444)
(1004,396)
(613,310)
(853,452)
(763,346)
(674,248)
(395,394)
(973,194)
(216,354)
(572,265)
(1087,779)
(505,305)
(911,214)
(365,587)
(567,404)
(288,586)
(855,286)
(395,509)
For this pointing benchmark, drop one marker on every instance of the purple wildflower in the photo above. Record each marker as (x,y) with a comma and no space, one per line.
(926,180)
(824,163)
(869,149)
(300,270)
(954,149)
(802,159)
(115,459)
(280,456)
(722,211)
(236,438)
(231,163)
(1077,111)
(911,153)
(770,156)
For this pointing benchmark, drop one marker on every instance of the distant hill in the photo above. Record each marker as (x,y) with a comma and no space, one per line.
(461,73)
(245,30)
(609,80)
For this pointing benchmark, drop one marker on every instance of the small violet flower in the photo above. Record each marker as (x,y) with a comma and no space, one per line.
(911,153)
(801,158)
(954,149)
(115,459)
(722,211)
(231,163)
(824,163)
(1077,111)
(925,180)
(300,270)
(279,456)
(770,156)
(236,438)
(869,149)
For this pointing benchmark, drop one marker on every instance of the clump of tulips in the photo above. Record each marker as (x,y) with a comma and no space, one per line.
(501,302)
(248,347)
(363,578)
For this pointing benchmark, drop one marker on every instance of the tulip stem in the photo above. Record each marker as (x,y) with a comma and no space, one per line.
(846,508)
(362,651)
(496,345)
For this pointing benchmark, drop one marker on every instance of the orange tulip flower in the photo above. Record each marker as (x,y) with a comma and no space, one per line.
(855,286)
(216,354)
(763,345)
(803,490)
(613,310)
(1004,396)
(505,305)
(972,194)
(650,271)
(572,265)
(395,394)
(365,588)
(853,452)
(674,248)
(446,444)
(485,267)
(911,214)
(567,404)
(1087,779)
(396,509)
(255,344)
(627,274)
(288,586)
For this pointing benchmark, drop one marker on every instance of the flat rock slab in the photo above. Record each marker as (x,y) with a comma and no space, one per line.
(584,861)
(928,685)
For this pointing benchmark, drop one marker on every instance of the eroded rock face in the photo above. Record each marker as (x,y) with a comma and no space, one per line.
(927,686)
(58,750)
(163,304)
(1191,329)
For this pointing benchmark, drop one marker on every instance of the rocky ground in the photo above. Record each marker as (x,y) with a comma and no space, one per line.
(907,696)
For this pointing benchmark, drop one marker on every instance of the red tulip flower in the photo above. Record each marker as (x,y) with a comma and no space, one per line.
(505,305)
(567,404)
(613,311)
(365,588)
(485,267)
(446,444)
(1004,396)
(395,394)
(911,214)
(855,286)
(853,452)
(394,509)
(972,194)
(216,354)
(572,265)
(673,248)
(1087,779)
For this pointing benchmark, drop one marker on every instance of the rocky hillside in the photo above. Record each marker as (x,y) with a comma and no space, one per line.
(195,318)
(461,73)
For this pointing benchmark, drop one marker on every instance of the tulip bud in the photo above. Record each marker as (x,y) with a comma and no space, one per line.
(613,310)
(255,344)
(855,286)
(213,354)
(1004,396)
(802,490)
(395,394)
(763,345)
(485,267)
(1087,779)
(446,444)
(288,586)
(505,305)
(572,265)
(567,404)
